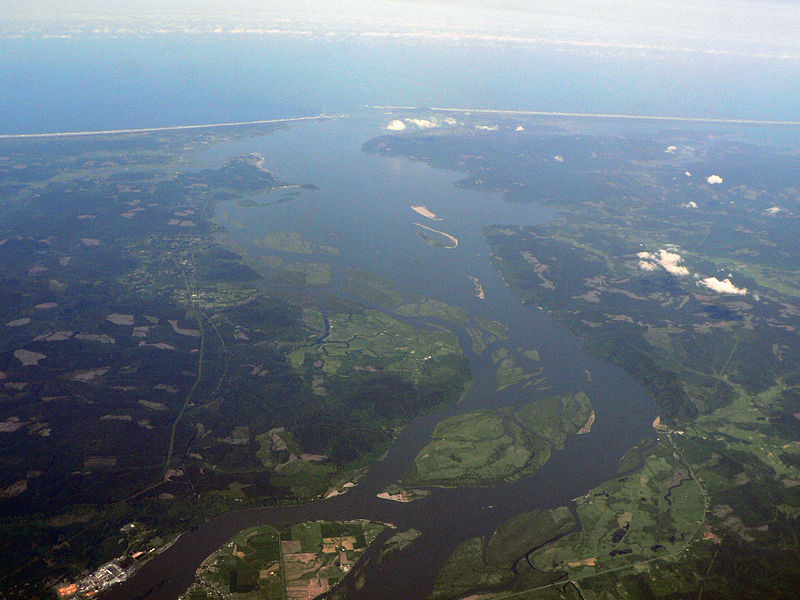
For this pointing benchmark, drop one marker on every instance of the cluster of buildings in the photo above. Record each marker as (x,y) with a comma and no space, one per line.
(111,573)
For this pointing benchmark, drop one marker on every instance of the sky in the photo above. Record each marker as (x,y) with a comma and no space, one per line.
(750,27)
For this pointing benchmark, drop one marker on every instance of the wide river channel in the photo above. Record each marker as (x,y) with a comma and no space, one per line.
(363,207)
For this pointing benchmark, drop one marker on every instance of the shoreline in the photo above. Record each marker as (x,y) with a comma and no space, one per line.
(21,136)
(544,113)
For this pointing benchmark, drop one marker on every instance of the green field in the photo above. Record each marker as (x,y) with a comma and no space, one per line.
(516,368)
(314,273)
(249,566)
(485,447)
(482,565)
(294,243)
(372,340)
(381,291)
(619,529)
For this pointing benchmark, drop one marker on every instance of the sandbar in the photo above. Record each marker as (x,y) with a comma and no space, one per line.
(477,289)
(452,239)
(423,210)
(587,427)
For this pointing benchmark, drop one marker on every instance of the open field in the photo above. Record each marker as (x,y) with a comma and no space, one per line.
(619,529)
(484,565)
(485,448)
(381,291)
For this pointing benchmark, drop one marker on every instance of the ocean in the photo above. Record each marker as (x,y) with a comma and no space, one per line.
(96,82)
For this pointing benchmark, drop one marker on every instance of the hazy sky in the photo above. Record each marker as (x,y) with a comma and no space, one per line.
(767,27)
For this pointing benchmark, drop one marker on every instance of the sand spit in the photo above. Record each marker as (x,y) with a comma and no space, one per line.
(659,426)
(14,136)
(477,288)
(15,489)
(452,239)
(12,424)
(55,336)
(394,497)
(540,113)
(125,418)
(157,346)
(157,406)
(423,210)
(587,427)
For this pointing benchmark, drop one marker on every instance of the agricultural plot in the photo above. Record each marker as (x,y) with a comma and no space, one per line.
(650,514)
(303,562)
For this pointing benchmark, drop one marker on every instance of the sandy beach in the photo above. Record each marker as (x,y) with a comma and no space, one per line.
(423,210)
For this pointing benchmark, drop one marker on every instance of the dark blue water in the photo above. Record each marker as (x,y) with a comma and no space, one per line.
(95,83)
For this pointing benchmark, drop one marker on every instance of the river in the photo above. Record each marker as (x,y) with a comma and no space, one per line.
(363,207)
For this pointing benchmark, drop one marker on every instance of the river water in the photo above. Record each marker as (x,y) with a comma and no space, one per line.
(362,207)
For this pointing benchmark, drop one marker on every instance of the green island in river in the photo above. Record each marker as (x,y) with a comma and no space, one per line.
(489,447)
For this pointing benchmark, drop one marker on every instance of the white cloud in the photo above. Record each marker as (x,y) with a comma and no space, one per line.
(723,287)
(773,210)
(396,125)
(669,261)
(646,265)
(558,158)
(671,149)
(422,123)
(712,179)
